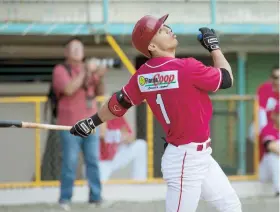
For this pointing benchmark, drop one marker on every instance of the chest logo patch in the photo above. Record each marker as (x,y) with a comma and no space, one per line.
(158,81)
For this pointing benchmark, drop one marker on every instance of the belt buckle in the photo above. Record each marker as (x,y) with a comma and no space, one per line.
(199,147)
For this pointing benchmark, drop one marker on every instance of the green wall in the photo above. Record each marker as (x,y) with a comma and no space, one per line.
(258,67)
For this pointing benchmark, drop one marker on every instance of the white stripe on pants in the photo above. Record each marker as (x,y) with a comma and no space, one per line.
(191,175)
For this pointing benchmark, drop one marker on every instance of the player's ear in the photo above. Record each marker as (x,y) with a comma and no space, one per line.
(152,47)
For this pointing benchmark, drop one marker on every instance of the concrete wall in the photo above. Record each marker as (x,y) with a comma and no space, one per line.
(17,150)
(123,11)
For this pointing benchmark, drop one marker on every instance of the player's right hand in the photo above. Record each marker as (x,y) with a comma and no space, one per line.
(208,39)
(83,128)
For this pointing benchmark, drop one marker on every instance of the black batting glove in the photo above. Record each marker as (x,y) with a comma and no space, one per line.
(208,39)
(83,128)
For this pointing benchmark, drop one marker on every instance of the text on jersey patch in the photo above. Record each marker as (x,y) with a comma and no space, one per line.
(158,81)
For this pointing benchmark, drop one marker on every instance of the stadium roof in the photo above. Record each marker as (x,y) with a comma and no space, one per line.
(126,29)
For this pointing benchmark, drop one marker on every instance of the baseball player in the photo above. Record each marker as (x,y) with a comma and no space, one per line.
(269,151)
(177,93)
(118,147)
(268,97)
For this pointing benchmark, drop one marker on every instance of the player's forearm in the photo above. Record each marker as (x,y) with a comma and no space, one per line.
(221,62)
(75,84)
(113,108)
(105,114)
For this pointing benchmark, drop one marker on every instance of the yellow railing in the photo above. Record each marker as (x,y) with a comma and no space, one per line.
(150,134)
(38,182)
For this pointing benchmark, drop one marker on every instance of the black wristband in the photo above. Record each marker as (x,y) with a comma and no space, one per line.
(94,121)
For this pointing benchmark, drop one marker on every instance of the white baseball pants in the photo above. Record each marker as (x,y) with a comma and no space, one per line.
(136,152)
(192,175)
(269,169)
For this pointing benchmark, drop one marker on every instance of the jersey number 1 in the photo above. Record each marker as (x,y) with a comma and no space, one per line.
(162,108)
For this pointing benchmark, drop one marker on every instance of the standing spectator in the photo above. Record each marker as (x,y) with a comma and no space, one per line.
(269,151)
(119,147)
(268,97)
(77,92)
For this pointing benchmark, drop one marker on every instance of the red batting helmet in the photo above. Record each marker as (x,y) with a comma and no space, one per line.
(143,32)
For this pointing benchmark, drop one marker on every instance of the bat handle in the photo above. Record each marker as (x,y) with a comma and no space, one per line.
(7,124)
(45,126)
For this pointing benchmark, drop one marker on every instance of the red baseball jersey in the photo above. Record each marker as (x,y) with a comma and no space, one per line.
(269,132)
(267,98)
(177,93)
(109,146)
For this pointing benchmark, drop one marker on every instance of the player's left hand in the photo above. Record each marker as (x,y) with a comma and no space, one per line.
(83,128)
(208,39)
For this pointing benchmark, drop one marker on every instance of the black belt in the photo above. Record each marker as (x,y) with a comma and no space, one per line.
(165,143)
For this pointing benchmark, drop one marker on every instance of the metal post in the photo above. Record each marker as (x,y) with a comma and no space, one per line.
(105,11)
(231,131)
(241,85)
(37,145)
(256,142)
(115,46)
(150,142)
(213,7)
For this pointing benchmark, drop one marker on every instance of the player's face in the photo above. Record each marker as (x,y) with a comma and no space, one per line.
(275,79)
(75,51)
(164,40)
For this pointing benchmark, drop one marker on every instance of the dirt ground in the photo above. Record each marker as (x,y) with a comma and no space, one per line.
(256,204)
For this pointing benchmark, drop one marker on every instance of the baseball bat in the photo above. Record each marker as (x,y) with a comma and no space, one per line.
(22,124)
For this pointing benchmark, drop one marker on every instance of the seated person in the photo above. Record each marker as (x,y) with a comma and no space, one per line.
(268,96)
(118,148)
(269,151)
